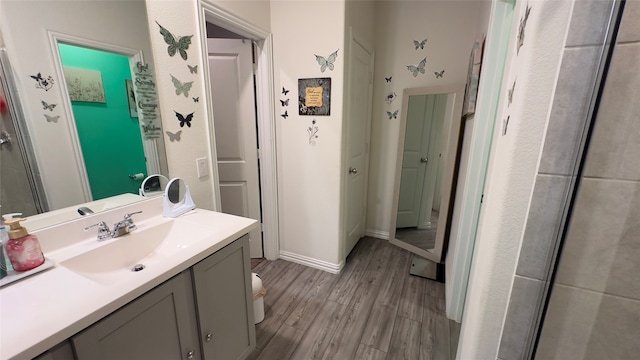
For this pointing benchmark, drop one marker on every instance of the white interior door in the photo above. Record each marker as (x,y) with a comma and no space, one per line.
(415,159)
(231,76)
(357,136)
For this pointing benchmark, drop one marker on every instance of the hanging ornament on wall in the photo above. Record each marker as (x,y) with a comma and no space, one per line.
(392,115)
(193,69)
(439,74)
(388,79)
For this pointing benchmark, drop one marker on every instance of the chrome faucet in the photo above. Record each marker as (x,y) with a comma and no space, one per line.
(125,225)
(120,228)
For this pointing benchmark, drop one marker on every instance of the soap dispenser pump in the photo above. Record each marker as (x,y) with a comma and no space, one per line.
(22,248)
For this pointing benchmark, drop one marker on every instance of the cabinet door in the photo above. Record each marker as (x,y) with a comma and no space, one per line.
(224,300)
(160,324)
(62,351)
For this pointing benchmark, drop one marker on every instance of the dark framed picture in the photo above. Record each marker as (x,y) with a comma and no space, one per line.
(131,96)
(314,96)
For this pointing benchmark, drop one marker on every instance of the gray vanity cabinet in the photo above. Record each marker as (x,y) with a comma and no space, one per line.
(160,324)
(224,299)
(205,312)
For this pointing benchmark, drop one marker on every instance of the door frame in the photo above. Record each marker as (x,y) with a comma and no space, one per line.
(355,38)
(263,42)
(150,147)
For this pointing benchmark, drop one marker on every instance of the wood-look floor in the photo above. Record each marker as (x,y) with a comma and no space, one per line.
(374,309)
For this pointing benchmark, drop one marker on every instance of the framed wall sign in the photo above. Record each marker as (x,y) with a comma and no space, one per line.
(314,96)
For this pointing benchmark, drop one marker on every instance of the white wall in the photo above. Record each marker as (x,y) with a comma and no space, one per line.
(511,174)
(308,176)
(24,26)
(181,18)
(451,28)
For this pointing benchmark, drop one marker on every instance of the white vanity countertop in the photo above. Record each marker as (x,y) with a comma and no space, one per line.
(45,309)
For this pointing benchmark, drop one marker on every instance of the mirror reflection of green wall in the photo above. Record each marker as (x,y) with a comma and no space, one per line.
(109,137)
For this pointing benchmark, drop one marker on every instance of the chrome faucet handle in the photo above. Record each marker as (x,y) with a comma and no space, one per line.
(129,220)
(103,230)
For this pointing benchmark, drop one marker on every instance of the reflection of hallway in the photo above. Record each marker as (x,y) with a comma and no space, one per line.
(422,238)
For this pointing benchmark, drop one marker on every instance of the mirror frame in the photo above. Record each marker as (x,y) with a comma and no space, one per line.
(449,174)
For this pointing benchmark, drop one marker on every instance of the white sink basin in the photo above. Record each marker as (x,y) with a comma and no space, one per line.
(148,246)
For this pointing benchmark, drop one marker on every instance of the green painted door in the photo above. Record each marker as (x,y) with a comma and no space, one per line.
(109,136)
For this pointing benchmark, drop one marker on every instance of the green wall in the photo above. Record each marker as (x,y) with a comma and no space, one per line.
(110,138)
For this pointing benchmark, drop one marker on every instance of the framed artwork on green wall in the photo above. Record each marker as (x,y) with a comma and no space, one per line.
(131,97)
(84,85)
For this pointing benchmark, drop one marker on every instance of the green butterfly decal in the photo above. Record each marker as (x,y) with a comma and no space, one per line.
(392,115)
(415,69)
(328,62)
(181,87)
(179,44)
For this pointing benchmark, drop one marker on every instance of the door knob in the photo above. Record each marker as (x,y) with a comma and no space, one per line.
(353,170)
(424,160)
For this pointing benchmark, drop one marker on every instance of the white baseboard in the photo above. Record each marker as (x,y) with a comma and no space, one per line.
(377,234)
(311,262)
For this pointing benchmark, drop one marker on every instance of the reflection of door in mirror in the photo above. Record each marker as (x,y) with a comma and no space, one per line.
(428,145)
(417,215)
(109,136)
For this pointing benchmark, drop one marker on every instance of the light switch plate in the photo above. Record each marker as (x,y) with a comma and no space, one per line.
(203,168)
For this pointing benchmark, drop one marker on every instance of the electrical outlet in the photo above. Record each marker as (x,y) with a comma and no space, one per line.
(203,168)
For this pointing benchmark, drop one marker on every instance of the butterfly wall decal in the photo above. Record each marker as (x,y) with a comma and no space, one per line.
(438,74)
(193,69)
(174,136)
(284,91)
(284,102)
(388,79)
(392,115)
(505,124)
(390,97)
(178,44)
(415,69)
(523,25)
(196,99)
(513,88)
(419,44)
(285,115)
(42,83)
(53,119)
(142,68)
(181,88)
(327,62)
(184,120)
(46,106)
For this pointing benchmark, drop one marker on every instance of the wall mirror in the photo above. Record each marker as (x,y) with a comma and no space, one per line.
(31,48)
(428,147)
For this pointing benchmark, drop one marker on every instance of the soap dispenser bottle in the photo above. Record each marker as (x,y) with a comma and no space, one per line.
(22,248)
